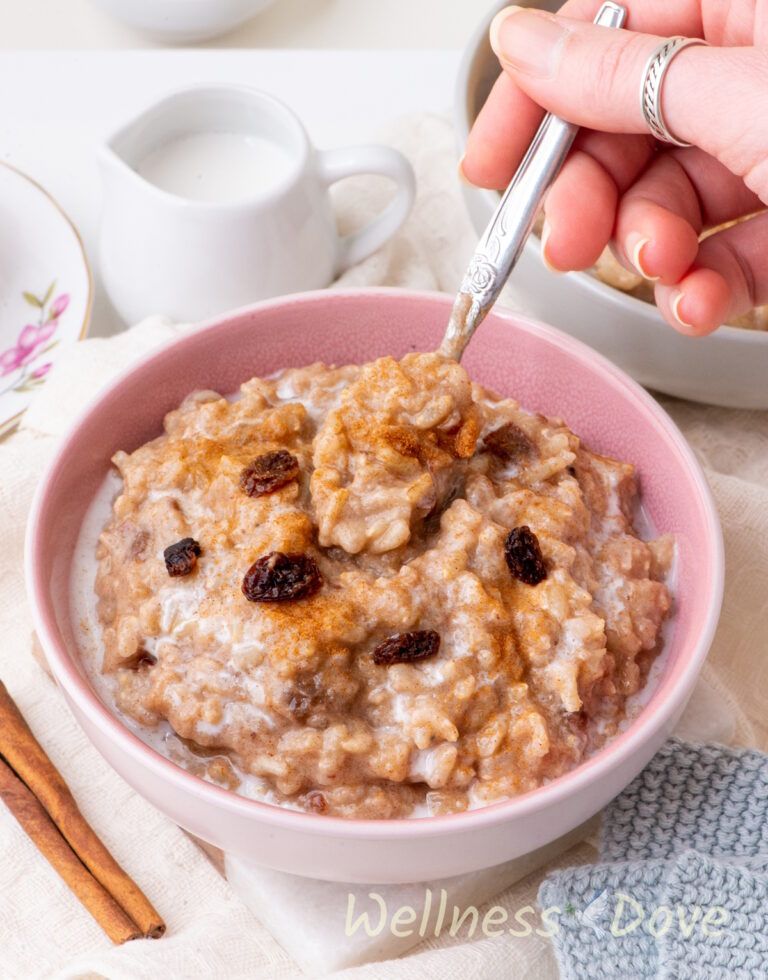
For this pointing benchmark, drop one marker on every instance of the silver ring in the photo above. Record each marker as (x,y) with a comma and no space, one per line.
(653,79)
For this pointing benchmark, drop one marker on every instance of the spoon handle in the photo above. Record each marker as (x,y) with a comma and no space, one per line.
(503,240)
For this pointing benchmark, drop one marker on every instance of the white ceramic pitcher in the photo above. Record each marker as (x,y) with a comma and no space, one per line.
(165,253)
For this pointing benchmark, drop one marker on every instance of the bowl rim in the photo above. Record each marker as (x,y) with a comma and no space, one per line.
(726,333)
(614,754)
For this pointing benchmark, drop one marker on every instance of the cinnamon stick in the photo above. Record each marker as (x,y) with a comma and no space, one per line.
(26,757)
(39,827)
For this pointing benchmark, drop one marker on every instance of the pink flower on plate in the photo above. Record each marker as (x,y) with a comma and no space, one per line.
(30,339)
(40,372)
(58,306)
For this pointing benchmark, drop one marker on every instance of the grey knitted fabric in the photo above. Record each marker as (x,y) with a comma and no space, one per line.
(683,892)
(738,948)
(706,797)
(594,902)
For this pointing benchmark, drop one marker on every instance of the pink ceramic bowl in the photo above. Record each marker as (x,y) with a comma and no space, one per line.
(548,372)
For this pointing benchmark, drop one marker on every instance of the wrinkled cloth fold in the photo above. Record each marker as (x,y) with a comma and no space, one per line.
(43,930)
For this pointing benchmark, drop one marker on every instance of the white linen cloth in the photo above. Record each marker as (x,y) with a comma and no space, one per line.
(44,932)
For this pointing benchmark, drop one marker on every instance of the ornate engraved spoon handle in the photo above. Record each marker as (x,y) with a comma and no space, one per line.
(504,238)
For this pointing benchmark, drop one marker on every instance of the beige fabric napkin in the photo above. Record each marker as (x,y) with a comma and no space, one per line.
(43,930)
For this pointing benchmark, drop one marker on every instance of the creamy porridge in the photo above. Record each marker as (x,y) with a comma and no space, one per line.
(374,591)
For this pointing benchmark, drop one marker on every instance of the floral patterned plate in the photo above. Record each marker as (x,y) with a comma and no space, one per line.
(46,290)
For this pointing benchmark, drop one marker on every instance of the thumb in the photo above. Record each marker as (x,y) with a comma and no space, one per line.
(591,76)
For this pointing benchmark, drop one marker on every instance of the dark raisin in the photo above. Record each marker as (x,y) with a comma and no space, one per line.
(142,658)
(278,577)
(269,472)
(524,557)
(432,520)
(202,751)
(405,648)
(577,721)
(181,558)
(316,802)
(508,442)
(304,696)
(571,470)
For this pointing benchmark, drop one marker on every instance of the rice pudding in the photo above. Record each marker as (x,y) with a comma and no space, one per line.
(377,591)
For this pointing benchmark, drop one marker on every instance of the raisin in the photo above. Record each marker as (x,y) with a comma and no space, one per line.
(577,721)
(432,519)
(181,558)
(524,557)
(304,697)
(404,648)
(142,658)
(278,577)
(316,802)
(508,442)
(269,472)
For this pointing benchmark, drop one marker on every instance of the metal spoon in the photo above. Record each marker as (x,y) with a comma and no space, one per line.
(502,243)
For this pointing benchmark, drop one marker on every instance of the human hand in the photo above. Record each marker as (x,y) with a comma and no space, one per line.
(651,201)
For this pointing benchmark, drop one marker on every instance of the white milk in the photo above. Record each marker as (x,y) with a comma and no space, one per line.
(216,168)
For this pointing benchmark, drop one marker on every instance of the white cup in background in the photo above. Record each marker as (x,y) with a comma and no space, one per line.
(214,198)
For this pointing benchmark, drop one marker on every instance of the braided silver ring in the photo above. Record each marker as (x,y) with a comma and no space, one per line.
(653,79)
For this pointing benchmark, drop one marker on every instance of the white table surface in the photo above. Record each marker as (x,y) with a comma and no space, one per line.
(429,24)
(58,106)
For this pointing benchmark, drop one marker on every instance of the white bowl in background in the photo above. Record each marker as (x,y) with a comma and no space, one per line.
(183,21)
(730,367)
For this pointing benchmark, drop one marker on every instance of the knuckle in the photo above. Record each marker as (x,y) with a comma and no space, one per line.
(725,256)
(610,70)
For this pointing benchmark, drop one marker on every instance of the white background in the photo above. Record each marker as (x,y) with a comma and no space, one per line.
(430,24)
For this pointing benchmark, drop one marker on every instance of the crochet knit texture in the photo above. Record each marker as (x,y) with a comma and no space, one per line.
(682,892)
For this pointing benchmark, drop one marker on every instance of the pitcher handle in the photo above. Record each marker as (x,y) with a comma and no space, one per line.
(350,161)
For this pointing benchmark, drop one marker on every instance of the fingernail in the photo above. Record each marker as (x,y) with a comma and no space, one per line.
(496,23)
(633,247)
(529,41)
(462,176)
(545,233)
(677,297)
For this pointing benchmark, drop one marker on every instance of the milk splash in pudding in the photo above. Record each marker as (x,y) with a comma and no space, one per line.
(216,168)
